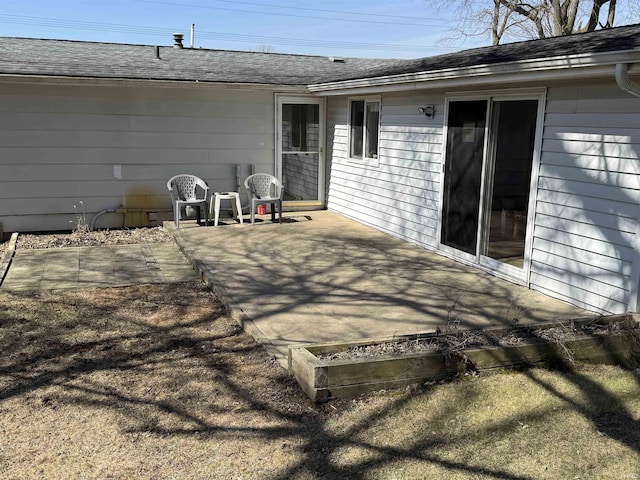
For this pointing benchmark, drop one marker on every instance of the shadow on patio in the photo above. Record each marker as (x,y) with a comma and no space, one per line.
(324,278)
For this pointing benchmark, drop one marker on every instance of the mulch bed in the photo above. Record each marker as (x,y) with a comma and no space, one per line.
(85,238)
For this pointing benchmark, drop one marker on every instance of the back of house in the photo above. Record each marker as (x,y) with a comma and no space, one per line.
(520,159)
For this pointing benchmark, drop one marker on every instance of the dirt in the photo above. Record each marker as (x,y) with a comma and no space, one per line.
(86,238)
(453,340)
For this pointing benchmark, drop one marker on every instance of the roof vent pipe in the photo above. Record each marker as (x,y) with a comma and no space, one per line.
(623,80)
(177,40)
(193,34)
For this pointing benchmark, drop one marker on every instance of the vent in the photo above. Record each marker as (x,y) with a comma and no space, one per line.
(336,59)
(177,40)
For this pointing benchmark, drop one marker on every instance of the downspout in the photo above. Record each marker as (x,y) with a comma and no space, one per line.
(92,227)
(623,80)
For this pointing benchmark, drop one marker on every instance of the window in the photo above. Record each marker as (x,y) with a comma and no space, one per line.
(364,121)
(300,127)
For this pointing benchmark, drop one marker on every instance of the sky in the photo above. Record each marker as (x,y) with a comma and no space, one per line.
(371,29)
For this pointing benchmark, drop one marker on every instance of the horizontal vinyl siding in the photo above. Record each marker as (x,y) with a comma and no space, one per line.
(400,194)
(584,241)
(59,146)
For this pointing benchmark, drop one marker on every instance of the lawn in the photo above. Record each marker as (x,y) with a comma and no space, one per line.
(154,381)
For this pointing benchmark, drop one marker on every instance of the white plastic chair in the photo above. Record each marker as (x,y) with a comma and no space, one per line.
(184,193)
(263,189)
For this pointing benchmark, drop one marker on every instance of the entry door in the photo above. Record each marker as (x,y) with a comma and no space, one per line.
(300,141)
(487,182)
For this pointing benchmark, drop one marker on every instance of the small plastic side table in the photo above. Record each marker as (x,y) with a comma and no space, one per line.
(234,197)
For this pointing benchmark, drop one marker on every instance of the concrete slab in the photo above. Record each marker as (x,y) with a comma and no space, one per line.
(320,277)
(104,266)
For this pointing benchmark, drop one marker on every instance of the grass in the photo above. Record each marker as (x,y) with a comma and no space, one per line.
(156,382)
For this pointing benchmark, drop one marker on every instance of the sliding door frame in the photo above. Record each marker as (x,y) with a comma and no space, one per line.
(496,267)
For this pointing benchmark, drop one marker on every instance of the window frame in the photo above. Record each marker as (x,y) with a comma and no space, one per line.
(374,161)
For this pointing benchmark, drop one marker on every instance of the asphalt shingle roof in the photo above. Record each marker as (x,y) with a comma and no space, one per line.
(26,56)
(609,40)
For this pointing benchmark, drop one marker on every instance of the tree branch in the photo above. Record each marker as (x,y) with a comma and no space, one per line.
(570,15)
(528,18)
(611,15)
(494,25)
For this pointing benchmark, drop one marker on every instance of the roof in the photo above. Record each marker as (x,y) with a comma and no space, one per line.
(28,56)
(608,40)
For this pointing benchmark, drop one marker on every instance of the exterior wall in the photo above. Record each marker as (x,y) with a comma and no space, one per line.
(400,196)
(63,144)
(584,247)
(588,199)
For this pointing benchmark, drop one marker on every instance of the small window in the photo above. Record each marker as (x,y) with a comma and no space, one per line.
(364,121)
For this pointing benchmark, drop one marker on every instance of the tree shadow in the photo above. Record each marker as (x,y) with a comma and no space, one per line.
(174,366)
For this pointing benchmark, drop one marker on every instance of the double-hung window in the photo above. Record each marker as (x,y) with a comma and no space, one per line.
(364,124)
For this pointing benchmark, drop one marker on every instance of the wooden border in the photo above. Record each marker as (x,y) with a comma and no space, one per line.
(323,380)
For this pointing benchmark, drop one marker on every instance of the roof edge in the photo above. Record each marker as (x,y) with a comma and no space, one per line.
(538,65)
(143,82)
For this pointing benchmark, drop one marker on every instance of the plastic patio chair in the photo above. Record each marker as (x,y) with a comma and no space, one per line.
(184,193)
(263,189)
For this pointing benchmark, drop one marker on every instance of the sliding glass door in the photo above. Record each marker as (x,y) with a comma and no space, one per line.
(463,174)
(489,156)
(508,179)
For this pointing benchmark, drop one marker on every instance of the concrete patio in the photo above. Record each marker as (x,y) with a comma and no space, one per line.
(321,278)
(104,266)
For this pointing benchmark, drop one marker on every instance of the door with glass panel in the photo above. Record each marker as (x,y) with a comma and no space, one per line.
(489,158)
(300,142)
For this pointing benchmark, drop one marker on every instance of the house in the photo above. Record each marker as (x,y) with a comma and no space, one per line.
(521,159)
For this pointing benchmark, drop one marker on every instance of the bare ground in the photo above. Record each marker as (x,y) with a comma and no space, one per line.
(82,237)
(154,381)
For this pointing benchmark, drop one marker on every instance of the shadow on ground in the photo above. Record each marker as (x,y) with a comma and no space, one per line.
(152,381)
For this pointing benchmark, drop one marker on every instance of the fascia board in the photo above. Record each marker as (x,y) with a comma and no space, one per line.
(536,69)
(98,81)
(604,71)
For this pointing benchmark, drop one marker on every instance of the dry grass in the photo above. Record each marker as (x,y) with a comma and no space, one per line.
(155,382)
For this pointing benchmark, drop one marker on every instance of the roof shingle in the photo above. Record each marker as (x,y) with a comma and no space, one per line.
(27,56)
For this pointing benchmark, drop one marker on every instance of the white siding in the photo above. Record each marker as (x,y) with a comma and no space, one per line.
(588,196)
(59,145)
(584,243)
(400,195)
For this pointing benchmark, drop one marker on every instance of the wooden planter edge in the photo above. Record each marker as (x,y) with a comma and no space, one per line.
(347,378)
